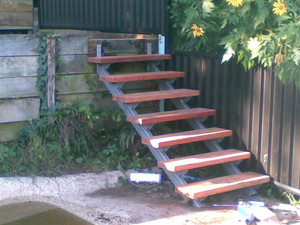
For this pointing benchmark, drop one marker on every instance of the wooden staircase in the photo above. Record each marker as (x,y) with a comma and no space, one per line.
(159,144)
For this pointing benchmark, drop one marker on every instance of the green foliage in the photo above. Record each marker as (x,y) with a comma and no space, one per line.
(270,190)
(293,200)
(74,138)
(254,32)
(185,13)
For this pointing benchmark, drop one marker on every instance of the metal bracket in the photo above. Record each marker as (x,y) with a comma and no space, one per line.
(149,48)
(153,66)
(171,81)
(219,140)
(119,85)
(164,149)
(186,99)
(133,105)
(102,69)
(149,126)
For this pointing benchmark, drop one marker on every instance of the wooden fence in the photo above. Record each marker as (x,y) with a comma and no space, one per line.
(19,100)
(76,79)
(16,14)
(263,112)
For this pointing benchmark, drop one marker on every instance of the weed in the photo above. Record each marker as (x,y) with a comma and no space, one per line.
(72,139)
(293,200)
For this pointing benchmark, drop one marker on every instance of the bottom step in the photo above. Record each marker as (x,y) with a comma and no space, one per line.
(222,184)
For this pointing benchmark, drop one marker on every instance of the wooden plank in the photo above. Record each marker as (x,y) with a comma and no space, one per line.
(155,95)
(16,5)
(8,19)
(98,100)
(19,45)
(73,44)
(122,46)
(222,184)
(16,27)
(82,83)
(76,64)
(18,87)
(141,76)
(26,45)
(128,58)
(51,72)
(71,64)
(87,83)
(203,160)
(185,137)
(9,131)
(10,66)
(171,115)
(18,110)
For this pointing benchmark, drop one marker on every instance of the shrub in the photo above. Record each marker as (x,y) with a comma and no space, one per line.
(255,32)
(73,139)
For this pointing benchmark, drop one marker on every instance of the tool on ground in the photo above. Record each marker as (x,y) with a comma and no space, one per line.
(253,210)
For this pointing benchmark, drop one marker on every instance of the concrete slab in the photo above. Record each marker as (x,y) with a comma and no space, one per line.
(98,199)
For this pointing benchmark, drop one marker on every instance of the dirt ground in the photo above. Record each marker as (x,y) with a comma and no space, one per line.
(168,207)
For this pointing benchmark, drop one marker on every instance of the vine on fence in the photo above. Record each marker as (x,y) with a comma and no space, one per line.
(43,70)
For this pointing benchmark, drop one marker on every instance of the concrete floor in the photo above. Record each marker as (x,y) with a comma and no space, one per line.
(98,199)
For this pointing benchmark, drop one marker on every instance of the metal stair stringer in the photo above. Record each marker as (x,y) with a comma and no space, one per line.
(197,123)
(159,153)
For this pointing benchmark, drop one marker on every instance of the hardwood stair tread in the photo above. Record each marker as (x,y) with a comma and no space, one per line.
(202,160)
(173,115)
(141,76)
(129,58)
(185,137)
(222,184)
(155,95)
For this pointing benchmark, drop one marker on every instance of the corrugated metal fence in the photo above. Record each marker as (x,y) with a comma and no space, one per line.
(122,16)
(263,113)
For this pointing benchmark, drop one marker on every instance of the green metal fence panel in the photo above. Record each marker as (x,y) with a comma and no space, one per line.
(263,112)
(117,16)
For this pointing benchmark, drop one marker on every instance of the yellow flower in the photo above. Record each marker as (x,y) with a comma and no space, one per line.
(279,8)
(198,31)
(235,3)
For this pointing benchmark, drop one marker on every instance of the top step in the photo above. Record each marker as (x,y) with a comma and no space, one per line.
(129,58)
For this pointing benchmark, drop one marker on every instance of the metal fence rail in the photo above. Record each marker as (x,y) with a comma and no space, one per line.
(121,16)
(263,113)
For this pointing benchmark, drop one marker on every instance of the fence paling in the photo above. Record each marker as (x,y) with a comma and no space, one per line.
(262,111)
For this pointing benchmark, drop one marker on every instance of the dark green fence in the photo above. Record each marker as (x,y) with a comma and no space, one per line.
(263,113)
(120,16)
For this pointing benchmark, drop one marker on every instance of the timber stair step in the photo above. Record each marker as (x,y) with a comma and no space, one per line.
(222,184)
(141,76)
(185,137)
(173,115)
(155,95)
(129,58)
(202,160)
